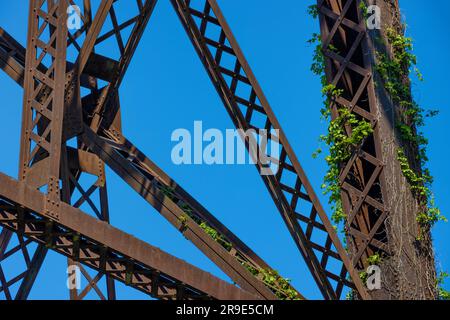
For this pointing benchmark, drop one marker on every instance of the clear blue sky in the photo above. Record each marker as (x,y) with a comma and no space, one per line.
(167,88)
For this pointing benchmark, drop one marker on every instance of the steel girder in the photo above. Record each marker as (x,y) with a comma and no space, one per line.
(32,260)
(12,52)
(234,261)
(42,116)
(297,202)
(93,62)
(362,178)
(12,57)
(182,211)
(42,113)
(84,49)
(101,112)
(102,247)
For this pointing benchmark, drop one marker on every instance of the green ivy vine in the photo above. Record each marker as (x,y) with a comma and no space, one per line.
(373,260)
(280,286)
(392,69)
(345,132)
(442,293)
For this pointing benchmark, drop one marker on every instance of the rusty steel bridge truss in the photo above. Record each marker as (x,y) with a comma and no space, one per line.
(71,92)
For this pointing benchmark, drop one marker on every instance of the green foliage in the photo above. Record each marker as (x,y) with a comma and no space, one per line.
(168,192)
(341,146)
(363,7)
(183,219)
(350,296)
(374,260)
(363,275)
(313,11)
(279,285)
(341,142)
(395,71)
(420,186)
(318,65)
(216,236)
(431,216)
(443,294)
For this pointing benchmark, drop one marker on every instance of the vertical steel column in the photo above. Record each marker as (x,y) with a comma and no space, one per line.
(362,176)
(43,111)
(248,108)
(73,167)
(349,69)
(44,91)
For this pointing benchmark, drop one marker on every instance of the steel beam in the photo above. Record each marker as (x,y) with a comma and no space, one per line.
(239,251)
(12,57)
(74,165)
(43,107)
(296,201)
(32,272)
(362,179)
(130,166)
(110,70)
(26,277)
(104,248)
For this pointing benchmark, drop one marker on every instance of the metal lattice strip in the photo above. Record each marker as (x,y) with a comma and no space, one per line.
(106,249)
(249,109)
(43,109)
(25,272)
(90,163)
(349,70)
(183,212)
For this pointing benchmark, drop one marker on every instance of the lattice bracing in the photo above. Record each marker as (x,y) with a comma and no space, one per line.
(101,247)
(249,109)
(362,181)
(72,129)
(245,259)
(22,258)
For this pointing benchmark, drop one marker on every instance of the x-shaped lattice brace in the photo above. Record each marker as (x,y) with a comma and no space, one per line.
(292,200)
(242,255)
(32,260)
(249,109)
(349,68)
(83,52)
(98,245)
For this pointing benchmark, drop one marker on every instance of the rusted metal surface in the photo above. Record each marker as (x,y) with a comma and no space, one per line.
(12,57)
(362,178)
(240,256)
(43,109)
(182,211)
(33,262)
(104,248)
(381,210)
(44,96)
(94,119)
(297,203)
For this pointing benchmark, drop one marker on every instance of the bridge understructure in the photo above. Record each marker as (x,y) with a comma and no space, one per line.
(71,127)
